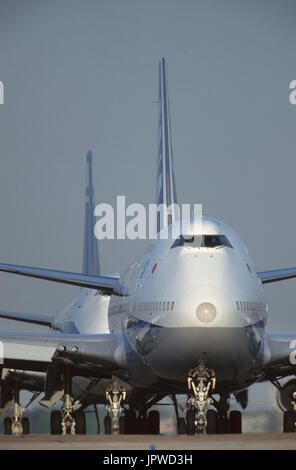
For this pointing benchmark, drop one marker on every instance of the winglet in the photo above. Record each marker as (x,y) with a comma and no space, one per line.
(166,186)
(91,263)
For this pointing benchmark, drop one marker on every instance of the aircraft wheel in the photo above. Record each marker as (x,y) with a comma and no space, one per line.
(56,422)
(26,425)
(212,422)
(142,425)
(130,422)
(235,422)
(153,422)
(286,396)
(190,422)
(80,422)
(107,424)
(7,425)
(181,426)
(289,421)
(223,426)
(122,425)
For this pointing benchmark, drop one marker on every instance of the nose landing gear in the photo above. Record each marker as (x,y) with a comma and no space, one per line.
(201,382)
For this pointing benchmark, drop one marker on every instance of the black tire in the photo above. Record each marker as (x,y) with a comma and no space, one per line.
(26,425)
(130,422)
(181,426)
(223,425)
(190,422)
(7,425)
(122,425)
(153,422)
(79,417)
(56,422)
(107,424)
(286,394)
(142,425)
(289,421)
(212,422)
(235,422)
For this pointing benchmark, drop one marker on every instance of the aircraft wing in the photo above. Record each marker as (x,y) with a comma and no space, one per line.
(280,356)
(107,283)
(276,275)
(43,320)
(101,353)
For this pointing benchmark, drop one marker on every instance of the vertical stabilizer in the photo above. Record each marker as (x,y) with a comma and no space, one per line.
(91,263)
(166,187)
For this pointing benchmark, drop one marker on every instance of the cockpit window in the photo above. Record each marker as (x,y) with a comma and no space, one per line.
(202,241)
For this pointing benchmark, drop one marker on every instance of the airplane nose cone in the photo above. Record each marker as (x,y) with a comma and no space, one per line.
(206,312)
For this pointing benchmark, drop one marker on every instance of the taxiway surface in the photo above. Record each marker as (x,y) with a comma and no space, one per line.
(147,442)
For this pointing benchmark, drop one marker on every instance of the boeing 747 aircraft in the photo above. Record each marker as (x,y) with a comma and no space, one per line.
(189,317)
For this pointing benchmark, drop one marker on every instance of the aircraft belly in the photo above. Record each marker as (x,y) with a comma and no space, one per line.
(233,353)
(87,392)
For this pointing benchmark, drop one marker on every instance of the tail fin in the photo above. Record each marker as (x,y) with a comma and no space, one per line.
(91,263)
(166,186)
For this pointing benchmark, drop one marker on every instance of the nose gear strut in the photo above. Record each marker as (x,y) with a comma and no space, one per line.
(201,382)
(115,395)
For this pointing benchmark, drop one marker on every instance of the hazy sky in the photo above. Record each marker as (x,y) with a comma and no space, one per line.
(82,75)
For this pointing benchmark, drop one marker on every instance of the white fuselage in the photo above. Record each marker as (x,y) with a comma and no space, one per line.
(184,303)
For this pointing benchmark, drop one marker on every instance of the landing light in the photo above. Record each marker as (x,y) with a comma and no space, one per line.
(206,312)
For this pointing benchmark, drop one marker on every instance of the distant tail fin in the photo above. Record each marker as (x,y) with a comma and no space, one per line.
(91,263)
(166,186)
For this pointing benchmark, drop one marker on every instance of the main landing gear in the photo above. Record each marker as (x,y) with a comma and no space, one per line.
(287,403)
(70,420)
(289,424)
(115,395)
(17,424)
(136,419)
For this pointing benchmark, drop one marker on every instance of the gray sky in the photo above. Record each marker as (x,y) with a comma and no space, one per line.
(82,75)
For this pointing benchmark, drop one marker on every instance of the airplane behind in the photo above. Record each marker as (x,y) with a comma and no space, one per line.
(189,317)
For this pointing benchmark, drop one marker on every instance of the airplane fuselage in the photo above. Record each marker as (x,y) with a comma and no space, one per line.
(185,303)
